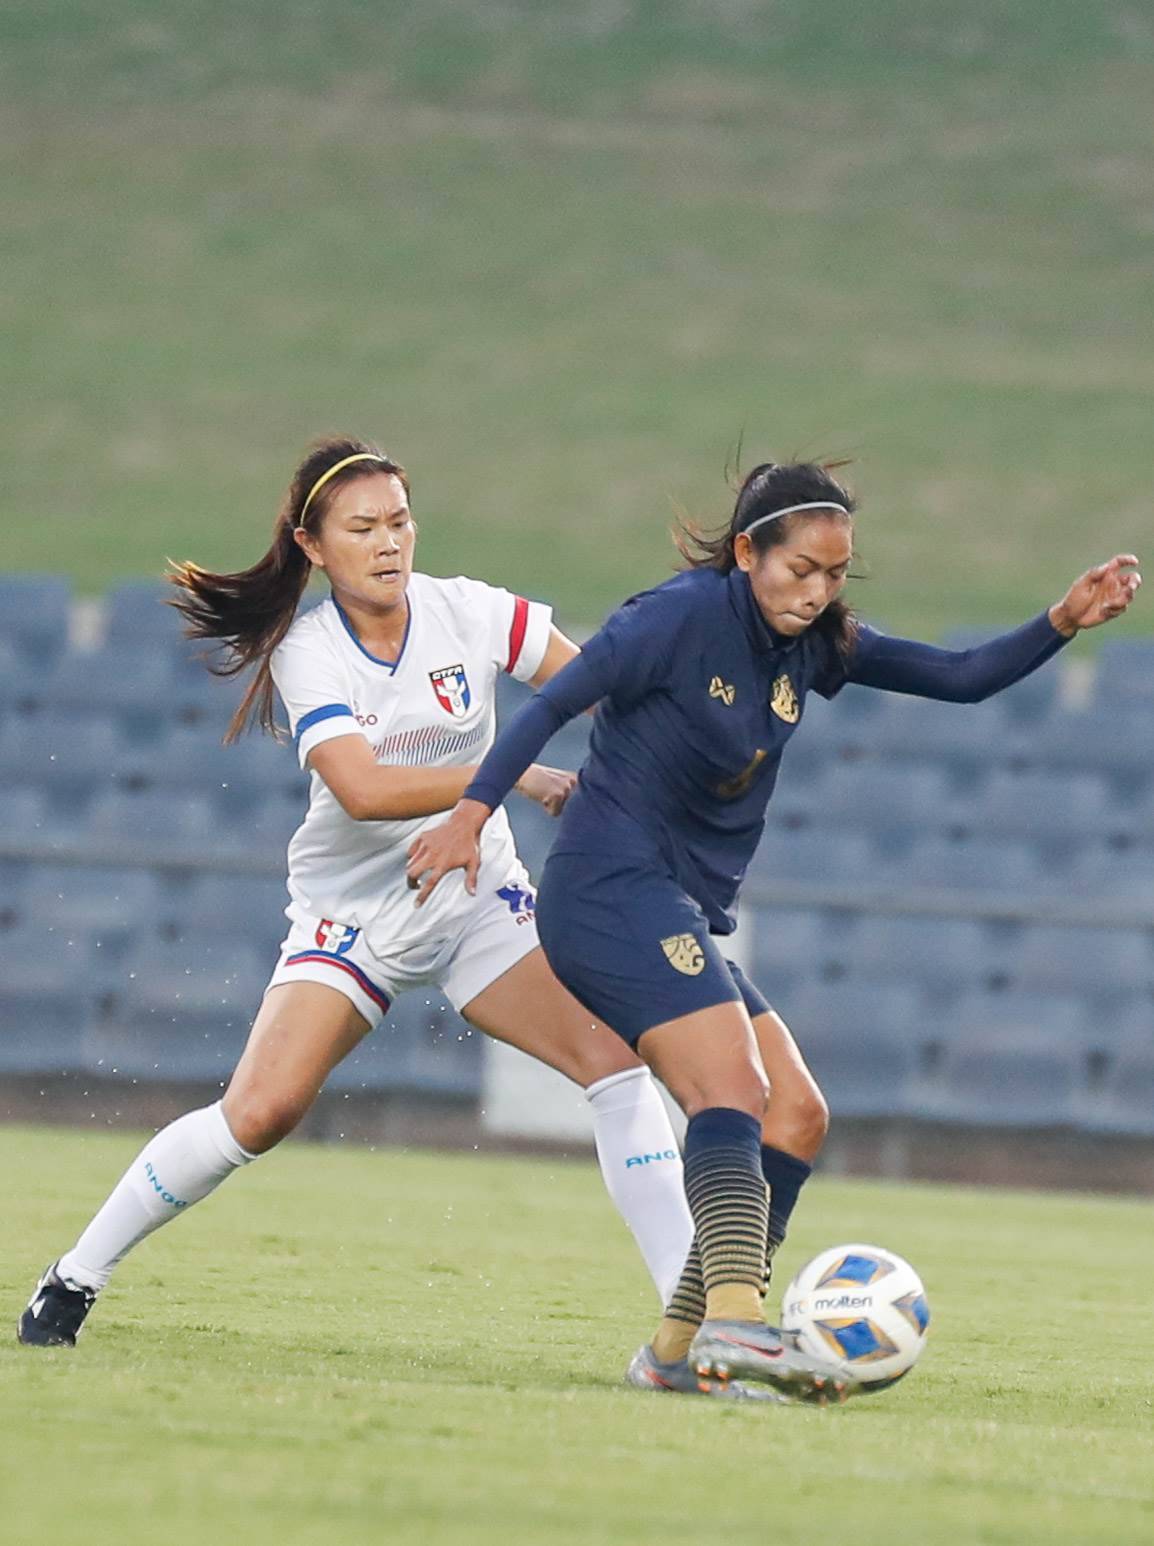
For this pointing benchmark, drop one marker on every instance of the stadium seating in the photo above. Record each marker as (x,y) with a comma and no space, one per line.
(48,1001)
(944,956)
(862,1045)
(1028,1081)
(1070,958)
(979,865)
(106,909)
(66,759)
(34,616)
(422,1045)
(177,1015)
(152,959)
(793,946)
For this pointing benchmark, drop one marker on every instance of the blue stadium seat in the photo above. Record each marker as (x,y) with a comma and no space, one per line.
(976,865)
(109,908)
(818,858)
(1056,812)
(1138,817)
(156,821)
(1125,1103)
(862,1046)
(1013,1015)
(67,759)
(1078,959)
(1097,740)
(129,685)
(181,1011)
(892,803)
(48,1001)
(791,946)
(136,616)
(423,1045)
(228,909)
(946,956)
(249,908)
(14,876)
(34,615)
(1125,675)
(1125,874)
(16,678)
(964,739)
(266,831)
(27,817)
(1030,1081)
(237,779)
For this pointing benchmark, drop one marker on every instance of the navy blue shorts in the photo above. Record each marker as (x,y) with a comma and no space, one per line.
(631,946)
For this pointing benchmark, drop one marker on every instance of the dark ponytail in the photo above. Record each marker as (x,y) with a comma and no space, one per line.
(768,488)
(252,610)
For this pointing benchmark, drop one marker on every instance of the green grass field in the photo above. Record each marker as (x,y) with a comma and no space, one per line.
(559,255)
(359,1346)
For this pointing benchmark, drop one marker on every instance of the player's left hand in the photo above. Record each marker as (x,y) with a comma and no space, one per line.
(454,845)
(1098,596)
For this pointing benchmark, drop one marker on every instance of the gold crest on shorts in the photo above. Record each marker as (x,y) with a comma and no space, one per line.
(783,700)
(684,954)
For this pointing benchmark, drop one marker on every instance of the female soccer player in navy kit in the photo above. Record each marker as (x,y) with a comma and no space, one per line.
(701,683)
(389,687)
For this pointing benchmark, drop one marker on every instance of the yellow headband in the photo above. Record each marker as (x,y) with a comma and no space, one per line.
(361,456)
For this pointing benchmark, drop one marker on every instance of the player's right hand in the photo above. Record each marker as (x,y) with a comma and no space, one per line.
(454,845)
(550,787)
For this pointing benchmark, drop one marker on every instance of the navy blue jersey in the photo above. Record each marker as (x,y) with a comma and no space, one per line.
(698,698)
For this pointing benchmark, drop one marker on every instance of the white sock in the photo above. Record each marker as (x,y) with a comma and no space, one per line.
(641,1166)
(184,1163)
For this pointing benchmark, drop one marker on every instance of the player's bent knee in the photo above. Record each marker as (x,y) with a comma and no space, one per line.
(259,1122)
(798,1118)
(814,1116)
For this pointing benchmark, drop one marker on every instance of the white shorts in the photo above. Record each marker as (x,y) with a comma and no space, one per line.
(487,937)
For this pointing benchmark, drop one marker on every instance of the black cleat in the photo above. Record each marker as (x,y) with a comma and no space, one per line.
(55,1313)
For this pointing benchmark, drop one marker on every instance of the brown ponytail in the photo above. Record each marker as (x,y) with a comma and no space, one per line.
(252,610)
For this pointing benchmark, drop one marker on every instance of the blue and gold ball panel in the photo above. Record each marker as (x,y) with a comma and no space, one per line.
(857,1341)
(856,1270)
(915,1309)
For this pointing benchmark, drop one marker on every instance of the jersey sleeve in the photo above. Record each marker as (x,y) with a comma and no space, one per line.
(632,653)
(314,690)
(954,676)
(518,629)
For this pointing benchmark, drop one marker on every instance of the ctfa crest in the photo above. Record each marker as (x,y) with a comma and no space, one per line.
(451,686)
(783,700)
(684,954)
(336,938)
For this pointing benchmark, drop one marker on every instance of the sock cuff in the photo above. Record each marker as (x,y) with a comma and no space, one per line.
(222,1134)
(632,1085)
(777,1165)
(722,1125)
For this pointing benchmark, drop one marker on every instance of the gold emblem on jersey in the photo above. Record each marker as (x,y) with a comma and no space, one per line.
(783,700)
(723,690)
(684,954)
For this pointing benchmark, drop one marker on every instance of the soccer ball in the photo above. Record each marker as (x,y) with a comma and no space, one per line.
(862,1308)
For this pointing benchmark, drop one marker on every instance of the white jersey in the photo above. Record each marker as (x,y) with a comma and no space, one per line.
(434,706)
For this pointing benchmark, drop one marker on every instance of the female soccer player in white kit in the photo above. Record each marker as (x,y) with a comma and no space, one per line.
(389,687)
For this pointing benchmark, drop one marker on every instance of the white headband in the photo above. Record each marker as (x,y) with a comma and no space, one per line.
(776,515)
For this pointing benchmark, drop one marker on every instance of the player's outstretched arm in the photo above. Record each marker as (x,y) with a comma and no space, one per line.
(968,676)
